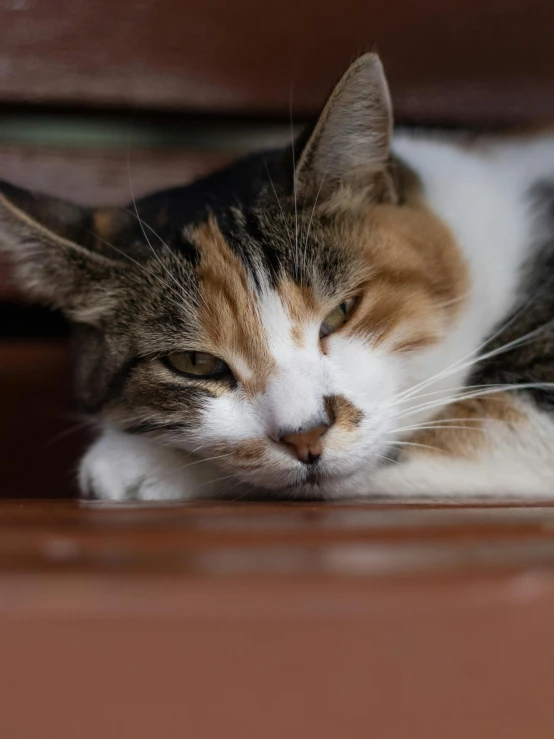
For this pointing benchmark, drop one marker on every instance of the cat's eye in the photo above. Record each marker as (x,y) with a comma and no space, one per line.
(336,318)
(198,364)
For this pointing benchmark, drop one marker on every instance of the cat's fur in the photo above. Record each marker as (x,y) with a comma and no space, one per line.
(447,244)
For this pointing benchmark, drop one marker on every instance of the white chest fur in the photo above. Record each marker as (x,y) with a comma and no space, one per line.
(483,195)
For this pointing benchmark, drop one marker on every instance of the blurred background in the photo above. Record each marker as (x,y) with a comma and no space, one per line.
(161,91)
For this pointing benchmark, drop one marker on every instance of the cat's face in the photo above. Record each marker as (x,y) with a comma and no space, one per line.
(267,318)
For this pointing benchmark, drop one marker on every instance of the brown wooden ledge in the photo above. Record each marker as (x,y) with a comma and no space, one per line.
(271,621)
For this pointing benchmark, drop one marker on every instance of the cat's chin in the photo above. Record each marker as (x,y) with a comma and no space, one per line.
(334,487)
(317,487)
(322,488)
(317,484)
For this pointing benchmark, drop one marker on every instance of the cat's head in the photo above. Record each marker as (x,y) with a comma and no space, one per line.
(269,316)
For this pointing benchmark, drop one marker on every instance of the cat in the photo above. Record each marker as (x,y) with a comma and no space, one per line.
(363,313)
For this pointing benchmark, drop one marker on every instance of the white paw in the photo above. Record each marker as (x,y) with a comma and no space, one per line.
(120,467)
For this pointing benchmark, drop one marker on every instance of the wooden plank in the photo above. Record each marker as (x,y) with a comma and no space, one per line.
(465,60)
(297,661)
(273,648)
(237,539)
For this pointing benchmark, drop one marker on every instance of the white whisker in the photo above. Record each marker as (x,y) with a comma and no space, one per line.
(422,446)
(387,459)
(278,202)
(180,285)
(461,423)
(294,182)
(179,304)
(131,188)
(196,461)
(461,364)
(242,495)
(440,427)
(69,431)
(452,392)
(469,396)
(220,479)
(311,218)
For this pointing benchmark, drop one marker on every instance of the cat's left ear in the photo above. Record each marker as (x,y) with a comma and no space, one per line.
(351,140)
(53,246)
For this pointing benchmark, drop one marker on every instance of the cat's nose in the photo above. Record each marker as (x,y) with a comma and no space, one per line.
(306,445)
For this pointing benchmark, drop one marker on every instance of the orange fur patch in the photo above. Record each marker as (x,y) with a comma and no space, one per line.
(301,305)
(419,277)
(250,453)
(472,421)
(231,326)
(245,455)
(342,412)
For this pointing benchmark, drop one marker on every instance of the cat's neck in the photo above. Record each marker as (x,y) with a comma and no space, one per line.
(483,193)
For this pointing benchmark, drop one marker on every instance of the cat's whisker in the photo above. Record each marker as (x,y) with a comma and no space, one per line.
(456,366)
(387,459)
(440,427)
(453,301)
(469,396)
(180,285)
(421,446)
(453,398)
(124,422)
(278,201)
(443,402)
(248,490)
(178,305)
(53,440)
(450,394)
(198,297)
(219,479)
(461,423)
(460,365)
(131,188)
(312,216)
(202,460)
(294,183)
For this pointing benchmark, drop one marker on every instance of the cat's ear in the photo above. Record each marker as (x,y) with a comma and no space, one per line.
(351,140)
(52,245)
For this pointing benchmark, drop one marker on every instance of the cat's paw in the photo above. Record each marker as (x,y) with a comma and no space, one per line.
(119,467)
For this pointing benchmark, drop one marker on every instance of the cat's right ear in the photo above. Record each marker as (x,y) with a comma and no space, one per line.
(350,143)
(52,245)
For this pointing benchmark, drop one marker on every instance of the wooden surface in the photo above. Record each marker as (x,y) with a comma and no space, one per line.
(270,538)
(276,621)
(465,60)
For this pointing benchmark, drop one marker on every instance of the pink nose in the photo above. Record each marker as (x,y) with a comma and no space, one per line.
(306,445)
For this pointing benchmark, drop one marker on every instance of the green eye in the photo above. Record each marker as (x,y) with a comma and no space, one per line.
(198,364)
(336,318)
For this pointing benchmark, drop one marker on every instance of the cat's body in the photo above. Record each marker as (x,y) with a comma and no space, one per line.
(337,300)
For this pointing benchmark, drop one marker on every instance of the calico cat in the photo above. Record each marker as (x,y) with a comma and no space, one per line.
(360,314)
